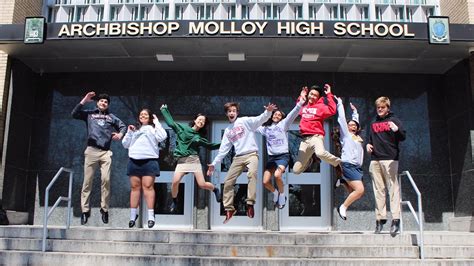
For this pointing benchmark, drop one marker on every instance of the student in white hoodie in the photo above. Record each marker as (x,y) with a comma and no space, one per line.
(275,131)
(240,134)
(352,156)
(143,152)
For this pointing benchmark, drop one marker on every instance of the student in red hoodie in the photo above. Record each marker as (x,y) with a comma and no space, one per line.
(313,113)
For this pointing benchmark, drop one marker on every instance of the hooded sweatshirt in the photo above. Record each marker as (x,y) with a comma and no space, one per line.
(143,143)
(100,126)
(314,114)
(241,135)
(384,140)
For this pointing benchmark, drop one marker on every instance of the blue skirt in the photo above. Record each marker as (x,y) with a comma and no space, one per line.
(144,167)
(275,160)
(351,172)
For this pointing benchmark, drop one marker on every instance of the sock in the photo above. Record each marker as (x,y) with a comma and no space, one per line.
(151,214)
(275,195)
(342,210)
(133,214)
(282,199)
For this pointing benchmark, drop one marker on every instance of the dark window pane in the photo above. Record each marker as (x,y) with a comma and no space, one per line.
(163,199)
(167,147)
(240,199)
(304,200)
(294,140)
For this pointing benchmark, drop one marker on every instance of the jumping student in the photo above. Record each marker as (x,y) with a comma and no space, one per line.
(240,134)
(143,152)
(275,131)
(313,114)
(188,140)
(352,156)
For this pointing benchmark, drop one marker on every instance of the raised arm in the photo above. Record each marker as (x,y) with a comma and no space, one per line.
(168,118)
(293,113)
(77,112)
(256,121)
(160,132)
(341,118)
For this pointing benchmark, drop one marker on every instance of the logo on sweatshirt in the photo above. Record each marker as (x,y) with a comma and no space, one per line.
(308,112)
(236,133)
(380,127)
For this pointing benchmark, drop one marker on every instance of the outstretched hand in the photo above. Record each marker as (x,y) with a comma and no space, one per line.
(163,106)
(303,94)
(271,107)
(155,120)
(353,107)
(327,88)
(88,97)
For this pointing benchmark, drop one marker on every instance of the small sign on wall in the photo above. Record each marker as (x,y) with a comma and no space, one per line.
(438,30)
(34,30)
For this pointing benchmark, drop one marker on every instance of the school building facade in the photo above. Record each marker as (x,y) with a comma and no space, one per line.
(197,55)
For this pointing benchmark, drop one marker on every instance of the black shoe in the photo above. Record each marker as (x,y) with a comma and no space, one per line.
(132,222)
(105,216)
(151,223)
(217,192)
(395,227)
(84,217)
(379,225)
(173,207)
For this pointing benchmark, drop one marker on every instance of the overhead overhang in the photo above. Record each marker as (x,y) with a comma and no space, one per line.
(261,54)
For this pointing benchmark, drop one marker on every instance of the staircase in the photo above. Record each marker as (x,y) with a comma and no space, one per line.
(116,246)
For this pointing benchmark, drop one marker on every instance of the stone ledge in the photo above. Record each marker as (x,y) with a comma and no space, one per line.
(462,224)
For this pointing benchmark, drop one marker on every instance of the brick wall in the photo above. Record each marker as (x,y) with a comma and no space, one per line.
(457,10)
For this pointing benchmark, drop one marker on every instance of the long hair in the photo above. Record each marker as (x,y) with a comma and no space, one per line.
(150,118)
(203,130)
(269,122)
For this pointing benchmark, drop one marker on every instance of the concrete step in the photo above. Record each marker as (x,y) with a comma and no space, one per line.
(215,250)
(71,258)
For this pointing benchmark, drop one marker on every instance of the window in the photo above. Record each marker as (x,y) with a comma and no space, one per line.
(409,14)
(80,13)
(114,13)
(100,14)
(378,13)
(231,12)
(135,13)
(245,12)
(52,14)
(342,12)
(272,12)
(143,13)
(313,12)
(178,12)
(364,13)
(298,12)
(399,14)
(430,12)
(334,13)
(165,13)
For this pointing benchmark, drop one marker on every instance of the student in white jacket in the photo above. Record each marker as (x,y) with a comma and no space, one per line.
(143,152)
(352,156)
(240,134)
(275,131)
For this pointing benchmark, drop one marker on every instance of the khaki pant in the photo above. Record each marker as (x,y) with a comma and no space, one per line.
(239,163)
(308,146)
(93,158)
(384,174)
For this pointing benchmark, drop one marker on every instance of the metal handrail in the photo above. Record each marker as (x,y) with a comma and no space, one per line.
(46,203)
(418,217)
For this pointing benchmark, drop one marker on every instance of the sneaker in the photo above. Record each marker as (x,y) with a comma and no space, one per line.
(228,215)
(337,183)
(395,227)
(217,192)
(341,212)
(132,222)
(151,223)
(281,201)
(250,211)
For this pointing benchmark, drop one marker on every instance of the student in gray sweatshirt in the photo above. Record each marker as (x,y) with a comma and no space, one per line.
(352,156)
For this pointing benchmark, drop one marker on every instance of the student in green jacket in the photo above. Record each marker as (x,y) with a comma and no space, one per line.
(188,140)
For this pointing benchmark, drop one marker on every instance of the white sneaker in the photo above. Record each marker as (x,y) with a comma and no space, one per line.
(275,197)
(342,212)
(281,201)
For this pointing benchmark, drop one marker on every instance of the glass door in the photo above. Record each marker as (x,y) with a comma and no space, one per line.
(239,221)
(309,193)
(164,219)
